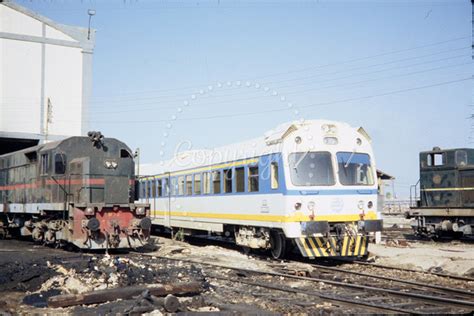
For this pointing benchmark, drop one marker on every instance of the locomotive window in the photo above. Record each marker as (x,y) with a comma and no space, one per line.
(125,153)
(197,183)
(216,182)
(181,185)
(189,185)
(60,164)
(153,190)
(239,179)
(461,158)
(274,175)
(228,181)
(253,179)
(435,159)
(206,186)
(44,164)
(160,188)
(311,168)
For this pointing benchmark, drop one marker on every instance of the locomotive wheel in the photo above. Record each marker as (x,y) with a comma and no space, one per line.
(277,245)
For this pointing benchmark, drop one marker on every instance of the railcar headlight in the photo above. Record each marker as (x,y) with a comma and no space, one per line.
(298,140)
(370,204)
(359,141)
(297,206)
(140,211)
(311,206)
(114,164)
(360,205)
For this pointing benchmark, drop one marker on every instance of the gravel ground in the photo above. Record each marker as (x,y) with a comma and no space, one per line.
(29,274)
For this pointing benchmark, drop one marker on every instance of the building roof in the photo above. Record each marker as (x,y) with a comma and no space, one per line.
(79,34)
(384,176)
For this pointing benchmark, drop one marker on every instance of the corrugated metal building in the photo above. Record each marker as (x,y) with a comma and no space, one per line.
(45,78)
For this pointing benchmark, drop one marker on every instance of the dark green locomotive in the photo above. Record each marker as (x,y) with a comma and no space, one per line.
(79,190)
(446,193)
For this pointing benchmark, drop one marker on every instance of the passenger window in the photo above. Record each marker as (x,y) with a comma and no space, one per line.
(274,175)
(228,181)
(173,186)
(166,187)
(181,185)
(461,158)
(197,183)
(143,189)
(206,182)
(160,188)
(253,179)
(239,179)
(189,185)
(153,188)
(60,164)
(148,189)
(216,180)
(44,164)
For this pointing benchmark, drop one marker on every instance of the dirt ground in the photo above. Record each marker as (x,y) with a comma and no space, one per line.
(30,274)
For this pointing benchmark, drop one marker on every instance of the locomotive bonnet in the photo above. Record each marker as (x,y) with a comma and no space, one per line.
(78,190)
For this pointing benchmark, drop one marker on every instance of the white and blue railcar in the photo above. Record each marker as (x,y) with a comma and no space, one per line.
(308,184)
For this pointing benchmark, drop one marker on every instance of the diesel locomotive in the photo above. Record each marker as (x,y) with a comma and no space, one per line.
(80,191)
(445,202)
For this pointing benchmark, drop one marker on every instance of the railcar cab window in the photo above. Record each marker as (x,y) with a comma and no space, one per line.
(354,169)
(311,169)
(60,164)
(44,164)
(253,179)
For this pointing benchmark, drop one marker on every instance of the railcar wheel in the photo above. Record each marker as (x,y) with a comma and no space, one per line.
(277,245)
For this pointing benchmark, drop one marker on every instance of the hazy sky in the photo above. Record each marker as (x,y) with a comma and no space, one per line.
(162,71)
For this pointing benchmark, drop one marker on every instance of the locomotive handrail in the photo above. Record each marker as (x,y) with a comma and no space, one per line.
(413,193)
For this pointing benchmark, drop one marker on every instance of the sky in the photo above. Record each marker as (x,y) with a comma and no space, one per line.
(218,72)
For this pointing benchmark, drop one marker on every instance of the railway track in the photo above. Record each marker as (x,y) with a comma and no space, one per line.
(348,287)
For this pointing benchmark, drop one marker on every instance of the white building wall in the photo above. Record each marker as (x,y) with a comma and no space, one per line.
(42,63)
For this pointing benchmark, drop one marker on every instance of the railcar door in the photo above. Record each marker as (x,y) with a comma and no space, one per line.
(167,212)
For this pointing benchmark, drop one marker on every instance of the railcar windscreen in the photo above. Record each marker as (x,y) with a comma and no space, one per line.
(354,169)
(311,169)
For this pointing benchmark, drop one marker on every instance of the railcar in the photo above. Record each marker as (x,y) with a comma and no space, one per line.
(80,190)
(444,194)
(309,185)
